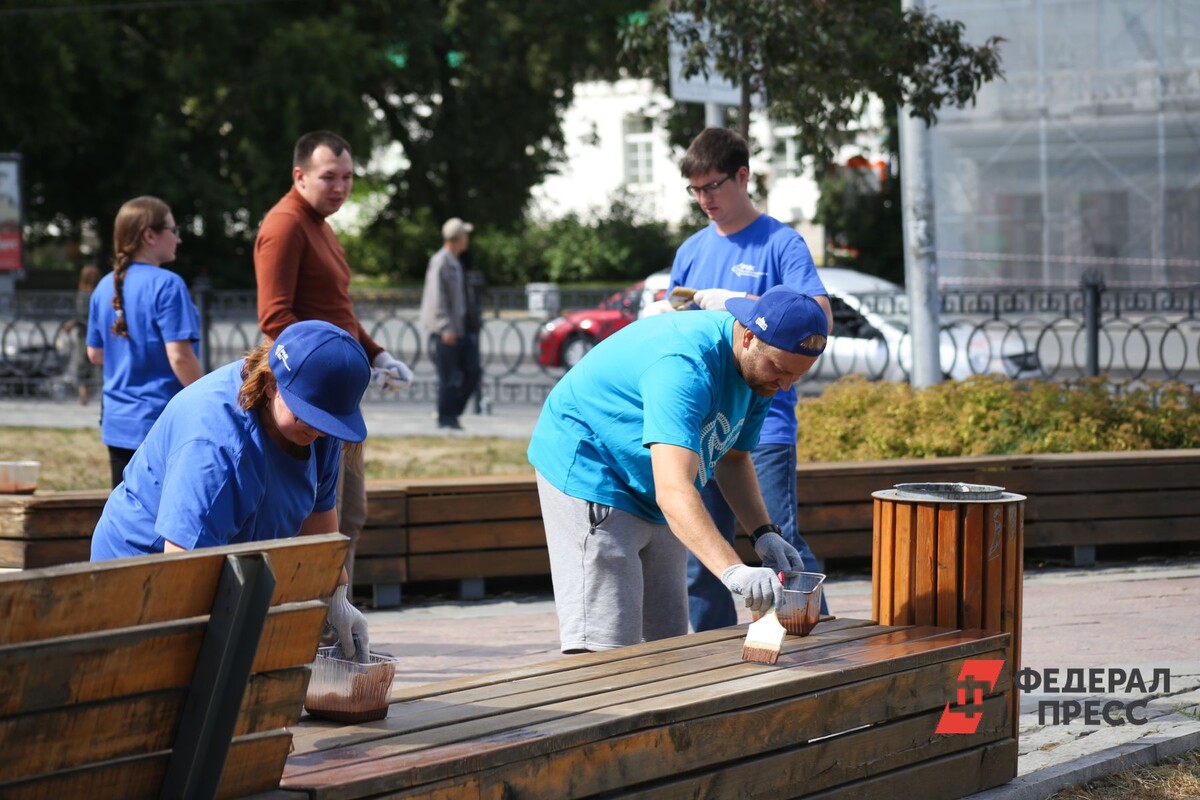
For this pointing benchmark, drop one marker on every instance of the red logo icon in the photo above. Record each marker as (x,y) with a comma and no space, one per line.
(976,678)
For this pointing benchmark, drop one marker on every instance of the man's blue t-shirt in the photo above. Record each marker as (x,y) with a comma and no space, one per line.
(138,380)
(667,379)
(208,474)
(765,253)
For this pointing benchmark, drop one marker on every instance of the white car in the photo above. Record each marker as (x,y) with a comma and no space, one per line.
(870,334)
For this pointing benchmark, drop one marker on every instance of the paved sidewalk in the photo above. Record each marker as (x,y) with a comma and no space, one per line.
(1143,615)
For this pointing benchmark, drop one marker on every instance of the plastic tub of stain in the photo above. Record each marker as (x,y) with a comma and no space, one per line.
(19,477)
(801,609)
(346,690)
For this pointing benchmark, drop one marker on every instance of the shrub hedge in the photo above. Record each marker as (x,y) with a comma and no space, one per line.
(857,420)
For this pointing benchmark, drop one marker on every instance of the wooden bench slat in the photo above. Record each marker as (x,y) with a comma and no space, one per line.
(479,564)
(485,535)
(469,507)
(75,598)
(39,553)
(1114,505)
(64,738)
(253,762)
(88,667)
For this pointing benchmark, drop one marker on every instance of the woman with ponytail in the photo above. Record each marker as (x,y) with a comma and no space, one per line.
(143,328)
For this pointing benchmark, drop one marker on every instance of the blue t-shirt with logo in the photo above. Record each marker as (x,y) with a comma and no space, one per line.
(667,379)
(138,379)
(765,253)
(208,474)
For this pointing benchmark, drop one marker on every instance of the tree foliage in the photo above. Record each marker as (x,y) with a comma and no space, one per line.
(200,103)
(817,60)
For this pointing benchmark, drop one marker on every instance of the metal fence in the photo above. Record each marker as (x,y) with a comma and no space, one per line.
(1129,333)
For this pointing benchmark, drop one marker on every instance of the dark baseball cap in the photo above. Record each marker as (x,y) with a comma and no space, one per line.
(322,373)
(783,318)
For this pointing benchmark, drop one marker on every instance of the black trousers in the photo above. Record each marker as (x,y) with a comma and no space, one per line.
(458,374)
(118,459)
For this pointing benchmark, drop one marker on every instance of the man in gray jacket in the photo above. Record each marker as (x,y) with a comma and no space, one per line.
(444,314)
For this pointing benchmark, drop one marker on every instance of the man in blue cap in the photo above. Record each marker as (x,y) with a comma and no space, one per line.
(249,452)
(627,439)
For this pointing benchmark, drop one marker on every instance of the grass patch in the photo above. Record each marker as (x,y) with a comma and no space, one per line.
(77,459)
(1175,779)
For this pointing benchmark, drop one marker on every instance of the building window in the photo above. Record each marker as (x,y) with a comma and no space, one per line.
(639,151)
(786,157)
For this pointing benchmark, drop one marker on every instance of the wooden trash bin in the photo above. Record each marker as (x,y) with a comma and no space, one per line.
(951,555)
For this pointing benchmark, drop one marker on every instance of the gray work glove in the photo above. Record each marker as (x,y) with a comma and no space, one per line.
(778,554)
(759,586)
(714,299)
(390,373)
(349,623)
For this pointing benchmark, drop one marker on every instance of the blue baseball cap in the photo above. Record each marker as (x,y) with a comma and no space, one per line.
(783,318)
(322,373)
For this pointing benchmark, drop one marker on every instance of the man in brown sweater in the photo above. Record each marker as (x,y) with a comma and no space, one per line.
(303,274)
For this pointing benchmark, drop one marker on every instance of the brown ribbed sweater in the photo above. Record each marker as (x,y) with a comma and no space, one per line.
(302,272)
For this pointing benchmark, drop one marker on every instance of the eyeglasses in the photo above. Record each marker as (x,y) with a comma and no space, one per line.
(172,228)
(709,189)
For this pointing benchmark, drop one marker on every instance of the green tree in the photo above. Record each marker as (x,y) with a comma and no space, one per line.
(201,103)
(817,60)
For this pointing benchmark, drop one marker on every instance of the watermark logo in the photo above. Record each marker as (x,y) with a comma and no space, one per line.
(1107,681)
(977,678)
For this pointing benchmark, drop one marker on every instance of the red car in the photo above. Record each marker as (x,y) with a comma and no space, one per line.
(564,340)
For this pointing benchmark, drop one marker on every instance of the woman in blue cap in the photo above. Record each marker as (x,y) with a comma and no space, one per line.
(249,452)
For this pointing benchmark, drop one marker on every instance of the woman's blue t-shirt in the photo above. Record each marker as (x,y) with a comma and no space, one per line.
(208,474)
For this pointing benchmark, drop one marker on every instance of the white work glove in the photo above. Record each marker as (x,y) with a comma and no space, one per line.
(349,622)
(656,308)
(390,374)
(777,554)
(759,586)
(714,299)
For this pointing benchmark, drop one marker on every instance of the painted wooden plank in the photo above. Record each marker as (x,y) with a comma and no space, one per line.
(903,564)
(380,569)
(887,551)
(1112,531)
(81,598)
(688,748)
(87,668)
(1114,505)
(947,778)
(464,507)
(995,580)
(925,565)
(481,535)
(822,765)
(971,596)
(876,554)
(382,541)
(251,767)
(949,560)
(38,553)
(377,765)
(36,522)
(479,564)
(52,741)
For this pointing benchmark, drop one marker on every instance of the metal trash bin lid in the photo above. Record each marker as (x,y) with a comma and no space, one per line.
(948,491)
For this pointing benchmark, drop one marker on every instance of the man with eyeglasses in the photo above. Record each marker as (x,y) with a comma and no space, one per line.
(743,253)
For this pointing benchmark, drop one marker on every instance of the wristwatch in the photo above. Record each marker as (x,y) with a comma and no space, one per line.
(763,530)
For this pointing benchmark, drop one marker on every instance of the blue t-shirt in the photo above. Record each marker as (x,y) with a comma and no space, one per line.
(765,253)
(138,380)
(208,474)
(667,379)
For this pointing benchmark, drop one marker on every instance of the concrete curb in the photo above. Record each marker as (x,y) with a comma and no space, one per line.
(1151,750)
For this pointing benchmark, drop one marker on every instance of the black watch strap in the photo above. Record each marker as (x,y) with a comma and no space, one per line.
(763,530)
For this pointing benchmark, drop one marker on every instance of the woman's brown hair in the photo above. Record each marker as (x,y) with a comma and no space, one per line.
(135,218)
(257,378)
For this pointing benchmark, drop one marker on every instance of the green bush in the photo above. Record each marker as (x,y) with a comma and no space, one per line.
(857,420)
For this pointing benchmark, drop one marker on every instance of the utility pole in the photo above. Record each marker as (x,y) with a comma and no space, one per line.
(920,256)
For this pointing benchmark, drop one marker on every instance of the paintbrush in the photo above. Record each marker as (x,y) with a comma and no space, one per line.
(764,639)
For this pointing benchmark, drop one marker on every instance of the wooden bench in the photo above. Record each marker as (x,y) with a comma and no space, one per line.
(850,711)
(169,675)
(472,529)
